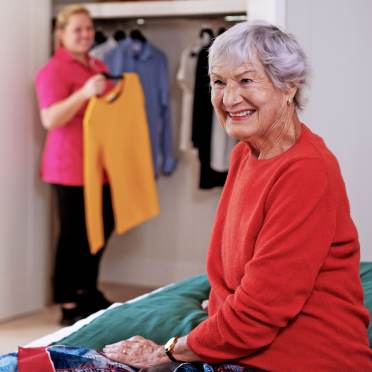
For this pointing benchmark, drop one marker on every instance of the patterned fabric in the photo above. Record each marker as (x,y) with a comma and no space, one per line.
(78,359)
(34,359)
(61,358)
(8,363)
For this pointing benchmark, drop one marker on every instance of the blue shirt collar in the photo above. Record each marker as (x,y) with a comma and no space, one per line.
(144,53)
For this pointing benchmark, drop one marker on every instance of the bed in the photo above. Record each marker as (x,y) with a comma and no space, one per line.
(159,315)
(170,310)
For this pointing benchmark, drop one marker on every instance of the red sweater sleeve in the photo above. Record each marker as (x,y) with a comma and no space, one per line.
(290,249)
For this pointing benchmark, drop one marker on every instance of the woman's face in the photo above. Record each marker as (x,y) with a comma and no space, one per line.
(78,34)
(247,103)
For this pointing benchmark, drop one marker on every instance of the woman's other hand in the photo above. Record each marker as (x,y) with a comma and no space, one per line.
(94,86)
(137,352)
(63,111)
(204,305)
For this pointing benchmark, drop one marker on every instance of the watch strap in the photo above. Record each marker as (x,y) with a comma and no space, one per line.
(168,348)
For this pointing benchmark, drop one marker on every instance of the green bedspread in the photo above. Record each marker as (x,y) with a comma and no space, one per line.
(366,276)
(174,310)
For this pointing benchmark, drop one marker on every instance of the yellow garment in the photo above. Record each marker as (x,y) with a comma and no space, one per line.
(116,140)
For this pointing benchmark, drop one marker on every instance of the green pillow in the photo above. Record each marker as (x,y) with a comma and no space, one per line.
(366,277)
(173,311)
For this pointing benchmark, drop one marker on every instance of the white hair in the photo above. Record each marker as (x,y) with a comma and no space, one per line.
(282,57)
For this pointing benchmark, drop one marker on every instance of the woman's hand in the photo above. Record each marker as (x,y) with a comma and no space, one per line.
(94,86)
(60,113)
(137,352)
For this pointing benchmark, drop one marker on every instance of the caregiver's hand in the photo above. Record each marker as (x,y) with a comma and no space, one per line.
(137,352)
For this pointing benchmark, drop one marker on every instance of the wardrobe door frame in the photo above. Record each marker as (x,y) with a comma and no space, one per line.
(24,200)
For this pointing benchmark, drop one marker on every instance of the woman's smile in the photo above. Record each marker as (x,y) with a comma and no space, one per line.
(240,116)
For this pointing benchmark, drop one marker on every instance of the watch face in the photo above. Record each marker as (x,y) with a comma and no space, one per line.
(169,343)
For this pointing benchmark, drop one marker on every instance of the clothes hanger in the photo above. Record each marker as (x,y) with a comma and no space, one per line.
(118,88)
(206,31)
(136,34)
(107,75)
(99,37)
(119,35)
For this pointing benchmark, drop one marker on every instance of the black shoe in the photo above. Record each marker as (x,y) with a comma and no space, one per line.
(101,301)
(70,316)
(92,302)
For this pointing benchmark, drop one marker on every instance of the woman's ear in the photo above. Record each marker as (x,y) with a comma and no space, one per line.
(58,35)
(290,93)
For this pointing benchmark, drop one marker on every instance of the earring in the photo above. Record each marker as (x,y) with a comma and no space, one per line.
(289,101)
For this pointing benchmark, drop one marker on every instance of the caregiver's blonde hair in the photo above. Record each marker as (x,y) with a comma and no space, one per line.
(62,19)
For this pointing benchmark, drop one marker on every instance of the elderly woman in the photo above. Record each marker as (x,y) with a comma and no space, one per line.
(283,261)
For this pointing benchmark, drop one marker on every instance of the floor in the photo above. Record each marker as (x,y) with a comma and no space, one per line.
(22,330)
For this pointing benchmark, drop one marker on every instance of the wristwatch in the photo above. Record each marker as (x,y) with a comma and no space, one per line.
(168,348)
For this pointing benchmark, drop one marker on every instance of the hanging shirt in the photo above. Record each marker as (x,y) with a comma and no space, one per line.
(202,124)
(221,147)
(101,50)
(152,66)
(186,80)
(62,160)
(116,141)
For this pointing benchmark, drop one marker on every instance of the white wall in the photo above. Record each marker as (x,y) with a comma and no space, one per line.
(336,35)
(24,230)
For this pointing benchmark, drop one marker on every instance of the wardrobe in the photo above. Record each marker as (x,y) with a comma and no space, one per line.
(25,253)
(172,246)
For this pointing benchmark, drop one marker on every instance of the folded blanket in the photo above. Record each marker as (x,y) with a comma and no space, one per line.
(78,359)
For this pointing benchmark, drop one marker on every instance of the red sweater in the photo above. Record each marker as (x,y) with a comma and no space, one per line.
(283,264)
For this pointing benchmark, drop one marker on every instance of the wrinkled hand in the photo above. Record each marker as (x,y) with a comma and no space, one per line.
(137,352)
(94,86)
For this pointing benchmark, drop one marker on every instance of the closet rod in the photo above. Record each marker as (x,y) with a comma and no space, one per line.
(136,9)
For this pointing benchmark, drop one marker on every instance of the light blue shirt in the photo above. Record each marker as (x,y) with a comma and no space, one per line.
(151,65)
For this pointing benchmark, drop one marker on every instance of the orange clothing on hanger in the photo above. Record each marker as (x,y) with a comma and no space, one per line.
(117,142)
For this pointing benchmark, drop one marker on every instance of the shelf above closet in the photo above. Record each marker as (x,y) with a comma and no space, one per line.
(170,8)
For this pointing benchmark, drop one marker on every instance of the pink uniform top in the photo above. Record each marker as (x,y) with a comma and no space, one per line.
(62,160)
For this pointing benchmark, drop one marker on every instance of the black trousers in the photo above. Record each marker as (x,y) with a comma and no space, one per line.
(76,269)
